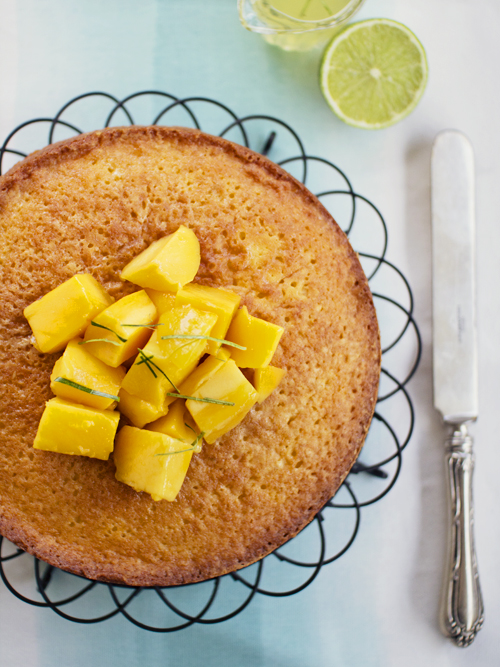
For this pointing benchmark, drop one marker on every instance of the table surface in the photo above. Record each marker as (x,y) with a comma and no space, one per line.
(378,604)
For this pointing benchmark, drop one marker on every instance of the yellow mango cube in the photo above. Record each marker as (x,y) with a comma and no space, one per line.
(223,354)
(260,338)
(167,264)
(266,380)
(151,462)
(222,302)
(170,360)
(201,374)
(227,384)
(162,300)
(139,411)
(70,428)
(176,424)
(65,312)
(135,309)
(80,366)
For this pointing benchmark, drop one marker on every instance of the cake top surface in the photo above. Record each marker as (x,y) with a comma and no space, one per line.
(92,203)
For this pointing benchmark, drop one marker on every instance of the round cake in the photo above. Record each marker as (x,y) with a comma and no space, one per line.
(92,203)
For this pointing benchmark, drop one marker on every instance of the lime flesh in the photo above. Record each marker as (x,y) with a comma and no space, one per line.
(373,73)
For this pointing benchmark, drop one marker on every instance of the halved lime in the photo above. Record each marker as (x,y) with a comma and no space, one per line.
(373,73)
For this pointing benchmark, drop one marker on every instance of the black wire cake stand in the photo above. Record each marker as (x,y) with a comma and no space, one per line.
(295,565)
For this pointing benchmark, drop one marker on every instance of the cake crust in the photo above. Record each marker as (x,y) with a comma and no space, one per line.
(90,204)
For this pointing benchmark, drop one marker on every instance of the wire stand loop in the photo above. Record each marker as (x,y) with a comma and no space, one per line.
(250,581)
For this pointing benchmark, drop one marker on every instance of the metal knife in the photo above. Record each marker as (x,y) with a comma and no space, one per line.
(455,369)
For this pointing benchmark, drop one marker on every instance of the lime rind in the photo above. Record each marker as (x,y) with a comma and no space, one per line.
(360,89)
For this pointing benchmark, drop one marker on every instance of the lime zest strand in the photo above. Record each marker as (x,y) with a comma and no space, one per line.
(101,326)
(304,9)
(181,451)
(190,428)
(99,340)
(146,326)
(203,400)
(326,7)
(146,360)
(149,363)
(87,390)
(192,337)
(144,357)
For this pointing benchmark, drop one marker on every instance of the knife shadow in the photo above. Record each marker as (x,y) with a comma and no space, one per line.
(431,529)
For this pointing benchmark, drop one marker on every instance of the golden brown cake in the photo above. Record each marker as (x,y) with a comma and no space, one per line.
(90,204)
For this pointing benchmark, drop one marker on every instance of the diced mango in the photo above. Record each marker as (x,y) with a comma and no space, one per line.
(260,338)
(152,462)
(65,312)
(266,380)
(69,428)
(223,354)
(137,309)
(219,301)
(227,384)
(78,365)
(176,424)
(139,411)
(174,359)
(167,264)
(147,381)
(162,300)
(201,374)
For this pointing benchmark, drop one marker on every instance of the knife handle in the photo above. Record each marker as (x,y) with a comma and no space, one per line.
(462,612)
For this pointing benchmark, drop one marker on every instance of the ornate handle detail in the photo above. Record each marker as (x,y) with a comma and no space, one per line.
(463,611)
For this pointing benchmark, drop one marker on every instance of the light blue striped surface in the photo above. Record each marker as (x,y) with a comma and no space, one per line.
(376,607)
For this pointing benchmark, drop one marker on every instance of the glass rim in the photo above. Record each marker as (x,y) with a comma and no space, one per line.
(301,25)
(352,4)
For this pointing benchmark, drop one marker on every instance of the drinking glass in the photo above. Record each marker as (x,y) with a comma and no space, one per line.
(296,25)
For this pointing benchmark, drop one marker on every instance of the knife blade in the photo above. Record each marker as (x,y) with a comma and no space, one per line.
(455,368)
(453,267)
